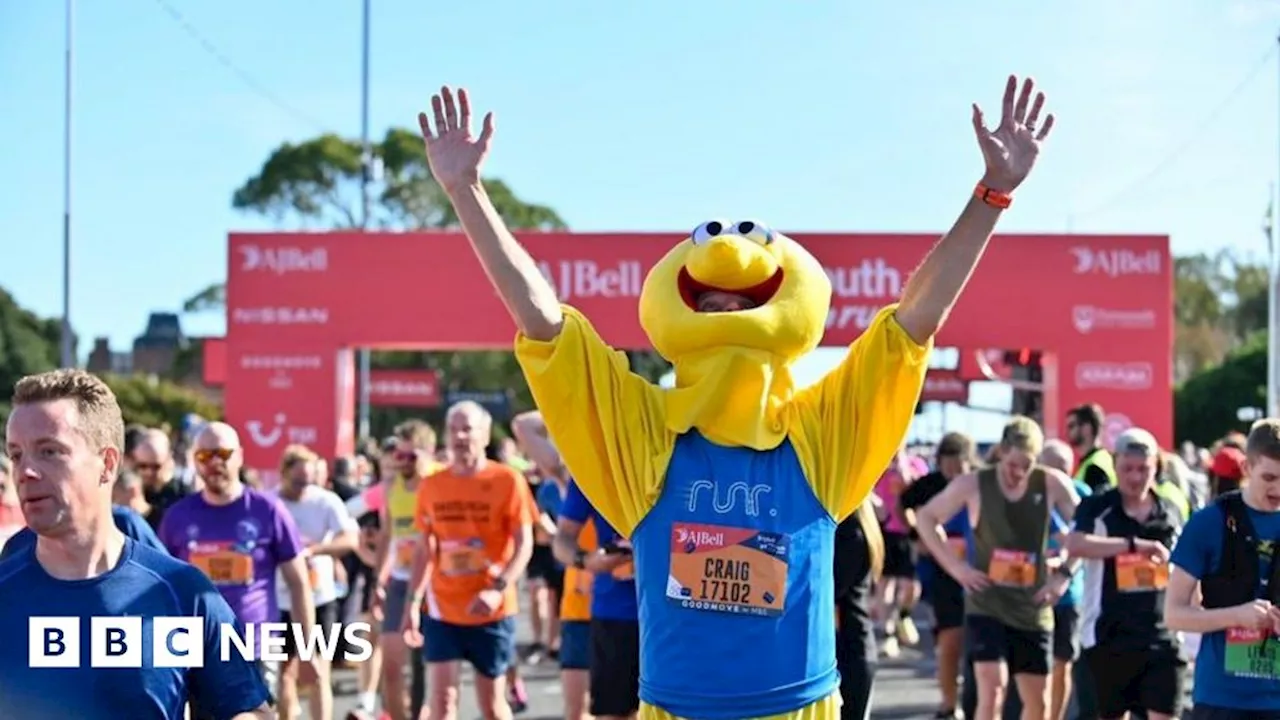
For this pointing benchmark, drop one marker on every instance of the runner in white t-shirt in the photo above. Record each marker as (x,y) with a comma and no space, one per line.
(328,532)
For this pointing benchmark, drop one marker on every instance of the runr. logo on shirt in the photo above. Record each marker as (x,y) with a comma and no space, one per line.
(738,492)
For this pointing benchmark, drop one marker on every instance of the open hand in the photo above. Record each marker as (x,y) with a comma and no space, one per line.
(972,579)
(453,153)
(1053,590)
(1011,149)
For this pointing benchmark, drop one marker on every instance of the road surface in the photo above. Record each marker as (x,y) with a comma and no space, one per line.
(905,688)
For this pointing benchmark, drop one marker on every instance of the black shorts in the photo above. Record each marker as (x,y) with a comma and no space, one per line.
(541,564)
(326,617)
(899,556)
(947,599)
(1066,636)
(615,667)
(1143,679)
(1025,652)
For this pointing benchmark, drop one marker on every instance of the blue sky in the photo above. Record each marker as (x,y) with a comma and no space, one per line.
(822,115)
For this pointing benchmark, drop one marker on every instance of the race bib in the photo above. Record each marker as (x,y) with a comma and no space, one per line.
(1252,653)
(1136,572)
(958,547)
(313,574)
(1012,568)
(406,549)
(727,569)
(463,557)
(224,566)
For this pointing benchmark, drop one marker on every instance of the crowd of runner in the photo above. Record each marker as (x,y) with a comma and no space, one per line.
(725,550)
(1043,568)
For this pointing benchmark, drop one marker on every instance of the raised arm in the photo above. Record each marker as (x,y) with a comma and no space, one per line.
(608,422)
(531,433)
(1009,152)
(455,157)
(1062,493)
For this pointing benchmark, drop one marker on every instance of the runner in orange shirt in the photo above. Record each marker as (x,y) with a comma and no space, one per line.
(575,628)
(478,516)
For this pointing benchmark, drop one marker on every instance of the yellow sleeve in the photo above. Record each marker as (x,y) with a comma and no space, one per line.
(606,421)
(848,425)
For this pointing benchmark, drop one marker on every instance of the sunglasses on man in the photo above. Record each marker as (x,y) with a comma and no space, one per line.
(206,455)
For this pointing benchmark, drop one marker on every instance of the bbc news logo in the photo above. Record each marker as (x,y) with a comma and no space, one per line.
(179,642)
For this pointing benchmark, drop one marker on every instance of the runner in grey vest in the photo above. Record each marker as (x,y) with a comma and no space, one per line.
(1010,593)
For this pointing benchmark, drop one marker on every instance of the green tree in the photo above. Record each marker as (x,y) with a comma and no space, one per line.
(28,344)
(154,402)
(1206,406)
(1220,300)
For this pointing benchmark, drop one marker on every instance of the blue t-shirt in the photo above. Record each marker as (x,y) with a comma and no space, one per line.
(549,498)
(1075,591)
(130,523)
(611,598)
(146,584)
(1199,553)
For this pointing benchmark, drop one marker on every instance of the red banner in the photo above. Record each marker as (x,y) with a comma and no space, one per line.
(404,388)
(1102,303)
(944,386)
(213,361)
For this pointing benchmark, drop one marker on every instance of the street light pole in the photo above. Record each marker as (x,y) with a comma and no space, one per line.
(366,169)
(68,358)
(1273,298)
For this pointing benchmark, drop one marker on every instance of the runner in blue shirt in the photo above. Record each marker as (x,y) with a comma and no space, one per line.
(615,619)
(1226,552)
(64,438)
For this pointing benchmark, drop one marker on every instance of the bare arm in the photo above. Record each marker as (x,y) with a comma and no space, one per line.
(523,537)
(301,605)
(546,524)
(529,298)
(384,548)
(936,285)
(455,158)
(534,440)
(1009,152)
(1094,547)
(945,505)
(1182,610)
(1062,493)
(420,576)
(565,543)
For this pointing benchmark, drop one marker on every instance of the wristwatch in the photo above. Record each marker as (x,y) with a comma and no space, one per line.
(580,559)
(1133,544)
(1065,572)
(499,583)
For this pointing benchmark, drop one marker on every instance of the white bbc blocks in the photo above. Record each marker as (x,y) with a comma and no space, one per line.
(53,642)
(115,642)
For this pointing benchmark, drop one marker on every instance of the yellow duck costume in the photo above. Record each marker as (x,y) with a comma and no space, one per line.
(730,485)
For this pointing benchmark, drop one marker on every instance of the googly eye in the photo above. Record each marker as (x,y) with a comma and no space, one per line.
(708,230)
(753,230)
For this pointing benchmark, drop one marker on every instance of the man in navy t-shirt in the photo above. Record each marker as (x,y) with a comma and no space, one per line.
(615,624)
(64,438)
(1237,667)
(127,520)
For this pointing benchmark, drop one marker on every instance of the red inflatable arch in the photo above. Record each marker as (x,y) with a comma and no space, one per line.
(1100,307)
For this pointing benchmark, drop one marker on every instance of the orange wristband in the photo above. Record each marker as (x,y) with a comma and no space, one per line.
(994,198)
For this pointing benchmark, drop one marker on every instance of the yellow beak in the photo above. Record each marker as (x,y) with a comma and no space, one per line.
(731,262)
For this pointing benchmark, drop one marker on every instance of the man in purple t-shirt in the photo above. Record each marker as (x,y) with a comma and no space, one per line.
(239,537)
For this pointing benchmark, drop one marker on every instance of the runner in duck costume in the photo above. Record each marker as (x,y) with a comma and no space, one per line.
(730,485)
